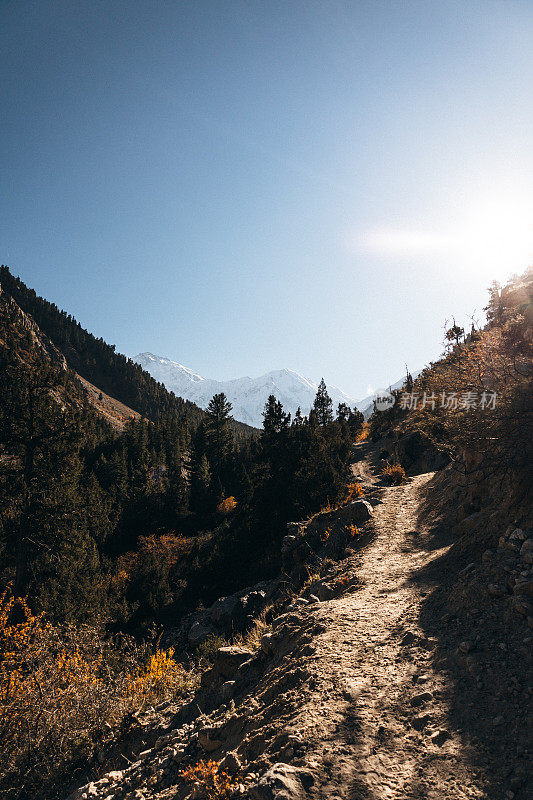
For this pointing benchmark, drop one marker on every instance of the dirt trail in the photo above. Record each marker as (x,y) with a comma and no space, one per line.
(377,680)
(411,684)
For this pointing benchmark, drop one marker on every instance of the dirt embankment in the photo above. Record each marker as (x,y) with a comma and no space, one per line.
(411,681)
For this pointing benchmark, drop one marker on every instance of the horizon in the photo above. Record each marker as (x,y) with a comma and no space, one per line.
(312,186)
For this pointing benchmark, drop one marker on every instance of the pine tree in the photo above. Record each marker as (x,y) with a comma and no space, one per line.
(219,438)
(323,406)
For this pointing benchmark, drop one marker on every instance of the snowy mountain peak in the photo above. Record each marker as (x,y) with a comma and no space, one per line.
(247,395)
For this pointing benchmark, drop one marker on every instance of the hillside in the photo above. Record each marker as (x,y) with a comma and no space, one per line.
(97,362)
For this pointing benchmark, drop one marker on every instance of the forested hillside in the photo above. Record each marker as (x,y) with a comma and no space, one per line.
(132,526)
(97,361)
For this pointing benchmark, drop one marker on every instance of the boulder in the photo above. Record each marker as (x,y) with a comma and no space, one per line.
(359,511)
(223,609)
(283,782)
(228,660)
(199,632)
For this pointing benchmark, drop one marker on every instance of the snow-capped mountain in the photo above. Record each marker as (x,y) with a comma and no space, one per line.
(247,395)
(366,405)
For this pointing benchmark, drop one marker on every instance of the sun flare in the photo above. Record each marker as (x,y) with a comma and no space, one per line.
(494,236)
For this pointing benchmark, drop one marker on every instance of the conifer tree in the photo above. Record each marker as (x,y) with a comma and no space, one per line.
(323,406)
(218,435)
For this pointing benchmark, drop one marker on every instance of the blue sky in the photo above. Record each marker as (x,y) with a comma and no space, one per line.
(245,186)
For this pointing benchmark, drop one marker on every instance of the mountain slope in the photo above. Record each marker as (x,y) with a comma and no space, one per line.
(247,395)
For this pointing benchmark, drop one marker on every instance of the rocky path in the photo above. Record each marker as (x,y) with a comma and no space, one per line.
(380,716)
(410,684)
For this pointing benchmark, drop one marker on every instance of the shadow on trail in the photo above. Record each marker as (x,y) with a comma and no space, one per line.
(481,689)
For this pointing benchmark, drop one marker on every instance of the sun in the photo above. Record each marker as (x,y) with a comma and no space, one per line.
(497,236)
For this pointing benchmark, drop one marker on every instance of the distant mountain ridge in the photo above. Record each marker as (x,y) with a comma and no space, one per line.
(247,395)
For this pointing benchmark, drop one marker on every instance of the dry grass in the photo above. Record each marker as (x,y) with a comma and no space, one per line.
(60,686)
(252,638)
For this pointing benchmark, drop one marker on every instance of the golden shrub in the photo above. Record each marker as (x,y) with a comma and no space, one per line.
(227,506)
(354,491)
(394,473)
(213,781)
(59,686)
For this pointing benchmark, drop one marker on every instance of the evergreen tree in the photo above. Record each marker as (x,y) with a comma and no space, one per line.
(219,438)
(323,406)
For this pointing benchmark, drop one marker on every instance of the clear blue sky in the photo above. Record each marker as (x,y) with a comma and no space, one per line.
(244,186)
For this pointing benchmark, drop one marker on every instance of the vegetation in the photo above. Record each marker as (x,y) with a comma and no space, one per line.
(393,473)
(476,403)
(60,686)
(212,781)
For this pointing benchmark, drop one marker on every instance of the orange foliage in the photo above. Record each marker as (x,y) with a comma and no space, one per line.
(394,473)
(215,783)
(171,548)
(353,531)
(354,491)
(227,506)
(60,684)
(364,433)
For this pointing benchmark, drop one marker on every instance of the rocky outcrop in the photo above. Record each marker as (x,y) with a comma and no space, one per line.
(326,535)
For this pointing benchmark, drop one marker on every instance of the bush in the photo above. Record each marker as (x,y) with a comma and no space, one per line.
(354,491)
(59,687)
(211,781)
(227,506)
(393,473)
(205,652)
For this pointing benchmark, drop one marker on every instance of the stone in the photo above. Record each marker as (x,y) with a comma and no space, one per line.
(420,721)
(323,591)
(267,643)
(421,699)
(440,736)
(465,647)
(360,511)
(231,763)
(199,632)
(408,638)
(208,741)
(282,782)
(227,690)
(524,587)
(496,590)
(497,720)
(228,660)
